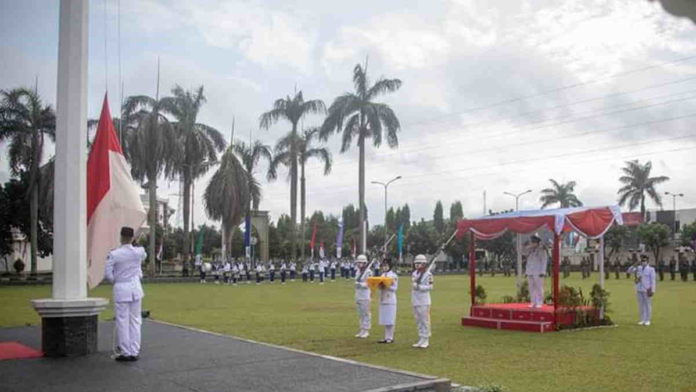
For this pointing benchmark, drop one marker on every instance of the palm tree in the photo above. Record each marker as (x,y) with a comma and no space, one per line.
(150,147)
(25,122)
(250,155)
(560,193)
(227,195)
(292,109)
(356,115)
(199,144)
(637,183)
(305,151)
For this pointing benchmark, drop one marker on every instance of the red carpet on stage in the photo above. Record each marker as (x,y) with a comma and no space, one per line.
(14,350)
(520,317)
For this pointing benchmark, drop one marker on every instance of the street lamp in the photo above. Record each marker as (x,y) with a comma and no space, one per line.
(386,185)
(519,240)
(674,208)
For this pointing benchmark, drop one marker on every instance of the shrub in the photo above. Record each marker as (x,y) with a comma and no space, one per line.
(19,266)
(507,299)
(480,295)
(523,294)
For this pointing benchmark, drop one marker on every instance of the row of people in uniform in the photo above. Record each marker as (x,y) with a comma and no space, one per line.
(421,286)
(236,271)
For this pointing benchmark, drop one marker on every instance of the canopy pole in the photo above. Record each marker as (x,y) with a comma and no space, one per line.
(601,272)
(556,258)
(472,267)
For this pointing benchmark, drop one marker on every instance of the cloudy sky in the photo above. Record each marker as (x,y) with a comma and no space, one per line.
(497,95)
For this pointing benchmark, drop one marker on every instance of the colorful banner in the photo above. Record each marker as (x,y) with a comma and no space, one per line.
(339,239)
(400,240)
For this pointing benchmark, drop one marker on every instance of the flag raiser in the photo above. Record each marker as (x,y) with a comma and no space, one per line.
(113,198)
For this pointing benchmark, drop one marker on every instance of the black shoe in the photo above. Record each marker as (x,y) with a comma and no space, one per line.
(386,341)
(123,358)
(133,358)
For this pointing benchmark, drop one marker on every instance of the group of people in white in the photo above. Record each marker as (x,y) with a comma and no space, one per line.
(236,271)
(421,286)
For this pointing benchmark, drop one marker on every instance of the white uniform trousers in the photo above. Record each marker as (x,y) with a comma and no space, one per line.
(422,316)
(536,289)
(644,305)
(364,314)
(128,322)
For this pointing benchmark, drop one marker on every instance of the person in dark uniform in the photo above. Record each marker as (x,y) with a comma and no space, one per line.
(565,264)
(617,268)
(607,266)
(683,267)
(661,269)
(627,265)
(583,264)
(672,268)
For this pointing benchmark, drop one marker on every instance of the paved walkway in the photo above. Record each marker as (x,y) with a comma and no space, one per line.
(177,359)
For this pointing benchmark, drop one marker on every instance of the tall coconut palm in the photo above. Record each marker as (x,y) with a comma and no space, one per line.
(356,115)
(250,155)
(227,195)
(305,151)
(292,109)
(637,183)
(199,144)
(25,122)
(561,194)
(151,149)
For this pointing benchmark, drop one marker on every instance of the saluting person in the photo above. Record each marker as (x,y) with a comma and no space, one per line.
(387,303)
(123,269)
(362,297)
(645,288)
(422,285)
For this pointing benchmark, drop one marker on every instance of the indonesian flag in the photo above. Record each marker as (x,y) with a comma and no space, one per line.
(321,250)
(113,198)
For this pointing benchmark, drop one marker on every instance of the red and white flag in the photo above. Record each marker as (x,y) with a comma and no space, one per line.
(321,250)
(113,198)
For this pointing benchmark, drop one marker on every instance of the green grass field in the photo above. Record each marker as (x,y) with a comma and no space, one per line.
(322,319)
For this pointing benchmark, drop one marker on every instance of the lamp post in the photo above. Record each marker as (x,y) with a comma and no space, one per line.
(519,241)
(386,185)
(674,208)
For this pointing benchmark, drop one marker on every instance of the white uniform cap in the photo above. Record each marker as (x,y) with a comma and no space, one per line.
(361,259)
(420,259)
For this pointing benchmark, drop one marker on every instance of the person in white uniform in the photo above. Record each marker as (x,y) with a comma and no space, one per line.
(387,302)
(537,258)
(362,297)
(422,284)
(645,288)
(123,270)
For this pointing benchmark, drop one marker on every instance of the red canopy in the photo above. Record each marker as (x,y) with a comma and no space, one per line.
(591,222)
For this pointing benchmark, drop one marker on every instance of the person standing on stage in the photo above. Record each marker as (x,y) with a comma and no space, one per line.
(422,285)
(387,302)
(123,269)
(645,288)
(362,297)
(537,259)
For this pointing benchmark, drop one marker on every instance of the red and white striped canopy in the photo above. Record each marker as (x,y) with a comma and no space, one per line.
(590,222)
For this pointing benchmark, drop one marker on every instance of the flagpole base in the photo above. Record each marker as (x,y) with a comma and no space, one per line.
(69,327)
